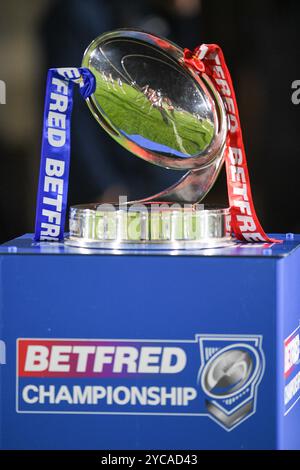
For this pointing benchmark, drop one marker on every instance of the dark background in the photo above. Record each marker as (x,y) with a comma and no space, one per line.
(260,40)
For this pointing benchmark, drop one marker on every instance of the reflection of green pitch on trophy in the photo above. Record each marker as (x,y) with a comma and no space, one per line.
(135,114)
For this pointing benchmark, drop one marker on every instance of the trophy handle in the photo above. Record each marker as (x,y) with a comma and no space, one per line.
(192,187)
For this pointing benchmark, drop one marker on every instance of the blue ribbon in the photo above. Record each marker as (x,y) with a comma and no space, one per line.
(56,146)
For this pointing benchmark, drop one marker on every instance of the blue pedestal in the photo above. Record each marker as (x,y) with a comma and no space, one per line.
(149,351)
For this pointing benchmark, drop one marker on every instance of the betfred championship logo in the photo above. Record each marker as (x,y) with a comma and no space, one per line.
(291,370)
(215,376)
(229,377)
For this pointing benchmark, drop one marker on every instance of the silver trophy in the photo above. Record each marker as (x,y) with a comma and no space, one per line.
(160,110)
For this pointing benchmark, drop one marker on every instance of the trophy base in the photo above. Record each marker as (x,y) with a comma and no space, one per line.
(155,226)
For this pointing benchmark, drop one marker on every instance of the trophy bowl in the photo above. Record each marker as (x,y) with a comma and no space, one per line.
(162,111)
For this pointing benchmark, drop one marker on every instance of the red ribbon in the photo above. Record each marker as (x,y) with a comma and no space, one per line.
(191,59)
(245,225)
